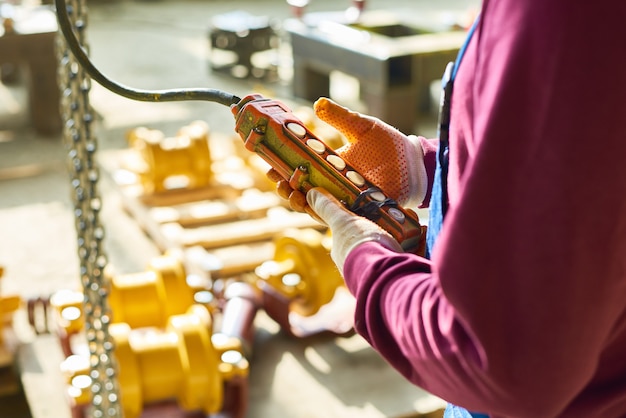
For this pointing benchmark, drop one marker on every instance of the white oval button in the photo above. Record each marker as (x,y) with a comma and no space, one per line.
(297,129)
(397,214)
(336,161)
(378,196)
(316,145)
(355,178)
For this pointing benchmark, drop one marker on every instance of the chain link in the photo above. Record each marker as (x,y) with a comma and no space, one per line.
(81,145)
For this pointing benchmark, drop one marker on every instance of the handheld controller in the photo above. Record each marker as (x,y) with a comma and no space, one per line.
(272,131)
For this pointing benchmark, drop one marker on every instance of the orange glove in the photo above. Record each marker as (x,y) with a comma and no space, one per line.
(383,155)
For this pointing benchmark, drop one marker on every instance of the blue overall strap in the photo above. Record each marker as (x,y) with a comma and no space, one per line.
(439,199)
(439,195)
(453,411)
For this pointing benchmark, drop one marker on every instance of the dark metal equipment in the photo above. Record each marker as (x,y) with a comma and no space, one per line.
(236,39)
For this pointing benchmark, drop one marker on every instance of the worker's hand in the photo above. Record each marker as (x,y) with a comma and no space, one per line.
(385,156)
(348,230)
(297,200)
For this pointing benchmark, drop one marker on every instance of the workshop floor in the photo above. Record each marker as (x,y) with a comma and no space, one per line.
(161,44)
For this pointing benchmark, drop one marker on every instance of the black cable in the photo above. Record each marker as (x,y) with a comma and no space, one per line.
(173,95)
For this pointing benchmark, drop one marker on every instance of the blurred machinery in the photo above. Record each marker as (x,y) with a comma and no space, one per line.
(300,281)
(180,161)
(180,340)
(27,37)
(183,363)
(168,348)
(9,304)
(12,396)
(143,299)
(237,39)
(394,61)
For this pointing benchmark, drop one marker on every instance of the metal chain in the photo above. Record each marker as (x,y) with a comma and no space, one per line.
(81,144)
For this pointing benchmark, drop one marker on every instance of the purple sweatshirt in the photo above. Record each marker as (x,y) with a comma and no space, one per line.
(522,310)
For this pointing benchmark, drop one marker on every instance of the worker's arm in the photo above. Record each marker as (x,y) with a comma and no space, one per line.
(526,282)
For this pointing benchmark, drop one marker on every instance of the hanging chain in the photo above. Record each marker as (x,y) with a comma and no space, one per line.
(81,144)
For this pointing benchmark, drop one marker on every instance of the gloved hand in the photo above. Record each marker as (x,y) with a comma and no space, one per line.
(385,156)
(348,230)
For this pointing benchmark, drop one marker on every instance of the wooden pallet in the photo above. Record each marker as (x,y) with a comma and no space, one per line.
(224,229)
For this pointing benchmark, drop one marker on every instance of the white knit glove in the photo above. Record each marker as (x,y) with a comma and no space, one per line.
(348,230)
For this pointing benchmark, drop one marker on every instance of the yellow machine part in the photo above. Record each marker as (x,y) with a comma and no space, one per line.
(149,298)
(180,362)
(302,270)
(203,385)
(144,299)
(75,370)
(185,156)
(68,310)
(8,305)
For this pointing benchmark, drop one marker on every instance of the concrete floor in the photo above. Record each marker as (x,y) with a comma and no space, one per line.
(156,45)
